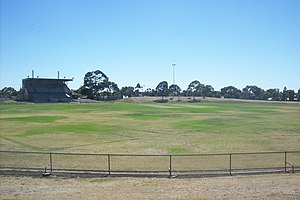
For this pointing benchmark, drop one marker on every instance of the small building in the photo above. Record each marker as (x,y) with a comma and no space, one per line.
(43,90)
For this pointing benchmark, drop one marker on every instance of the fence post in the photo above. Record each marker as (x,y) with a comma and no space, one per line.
(108,162)
(285,159)
(230,164)
(170,166)
(51,163)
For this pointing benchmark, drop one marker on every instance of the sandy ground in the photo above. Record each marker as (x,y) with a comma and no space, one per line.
(272,186)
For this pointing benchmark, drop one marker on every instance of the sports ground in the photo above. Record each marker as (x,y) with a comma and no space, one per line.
(153,128)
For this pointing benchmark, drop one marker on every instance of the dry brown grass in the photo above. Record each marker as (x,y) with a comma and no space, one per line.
(280,186)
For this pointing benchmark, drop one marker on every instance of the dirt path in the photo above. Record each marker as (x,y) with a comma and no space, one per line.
(275,186)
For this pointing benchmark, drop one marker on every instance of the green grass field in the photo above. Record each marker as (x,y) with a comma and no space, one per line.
(151,128)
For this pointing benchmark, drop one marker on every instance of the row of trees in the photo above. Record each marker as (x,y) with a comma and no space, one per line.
(97,86)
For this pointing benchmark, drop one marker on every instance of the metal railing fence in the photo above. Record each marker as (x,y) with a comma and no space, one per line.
(226,163)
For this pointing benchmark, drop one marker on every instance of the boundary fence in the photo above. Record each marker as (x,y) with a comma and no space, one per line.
(171,165)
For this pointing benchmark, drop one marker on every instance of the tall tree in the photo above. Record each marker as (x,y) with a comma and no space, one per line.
(162,89)
(127,91)
(150,92)
(97,86)
(112,87)
(94,83)
(231,92)
(138,89)
(272,94)
(110,92)
(284,94)
(207,91)
(175,90)
(290,95)
(252,92)
(195,88)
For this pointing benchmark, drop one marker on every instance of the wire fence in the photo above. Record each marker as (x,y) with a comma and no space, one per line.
(171,165)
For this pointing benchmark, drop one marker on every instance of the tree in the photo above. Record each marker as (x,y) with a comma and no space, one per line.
(207,91)
(284,94)
(162,89)
(94,83)
(8,92)
(112,87)
(97,86)
(80,90)
(272,94)
(252,92)
(217,94)
(195,88)
(127,91)
(110,91)
(290,95)
(150,92)
(231,92)
(175,90)
(137,91)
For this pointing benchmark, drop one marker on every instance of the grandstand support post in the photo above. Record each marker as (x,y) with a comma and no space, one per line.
(230,164)
(51,163)
(285,159)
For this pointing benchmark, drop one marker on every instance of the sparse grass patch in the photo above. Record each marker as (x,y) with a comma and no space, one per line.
(178,150)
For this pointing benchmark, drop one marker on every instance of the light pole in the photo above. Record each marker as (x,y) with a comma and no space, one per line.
(173,65)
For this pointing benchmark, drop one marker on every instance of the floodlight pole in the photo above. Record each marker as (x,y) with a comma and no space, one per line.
(173,65)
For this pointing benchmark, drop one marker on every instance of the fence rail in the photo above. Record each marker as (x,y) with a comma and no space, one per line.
(171,165)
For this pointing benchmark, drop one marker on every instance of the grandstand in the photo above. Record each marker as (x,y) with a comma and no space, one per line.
(42,90)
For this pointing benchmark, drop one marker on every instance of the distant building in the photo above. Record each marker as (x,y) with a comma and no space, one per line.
(43,90)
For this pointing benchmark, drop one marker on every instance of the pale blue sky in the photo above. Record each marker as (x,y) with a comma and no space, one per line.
(218,42)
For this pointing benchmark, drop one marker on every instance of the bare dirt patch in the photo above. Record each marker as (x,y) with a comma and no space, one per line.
(278,186)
